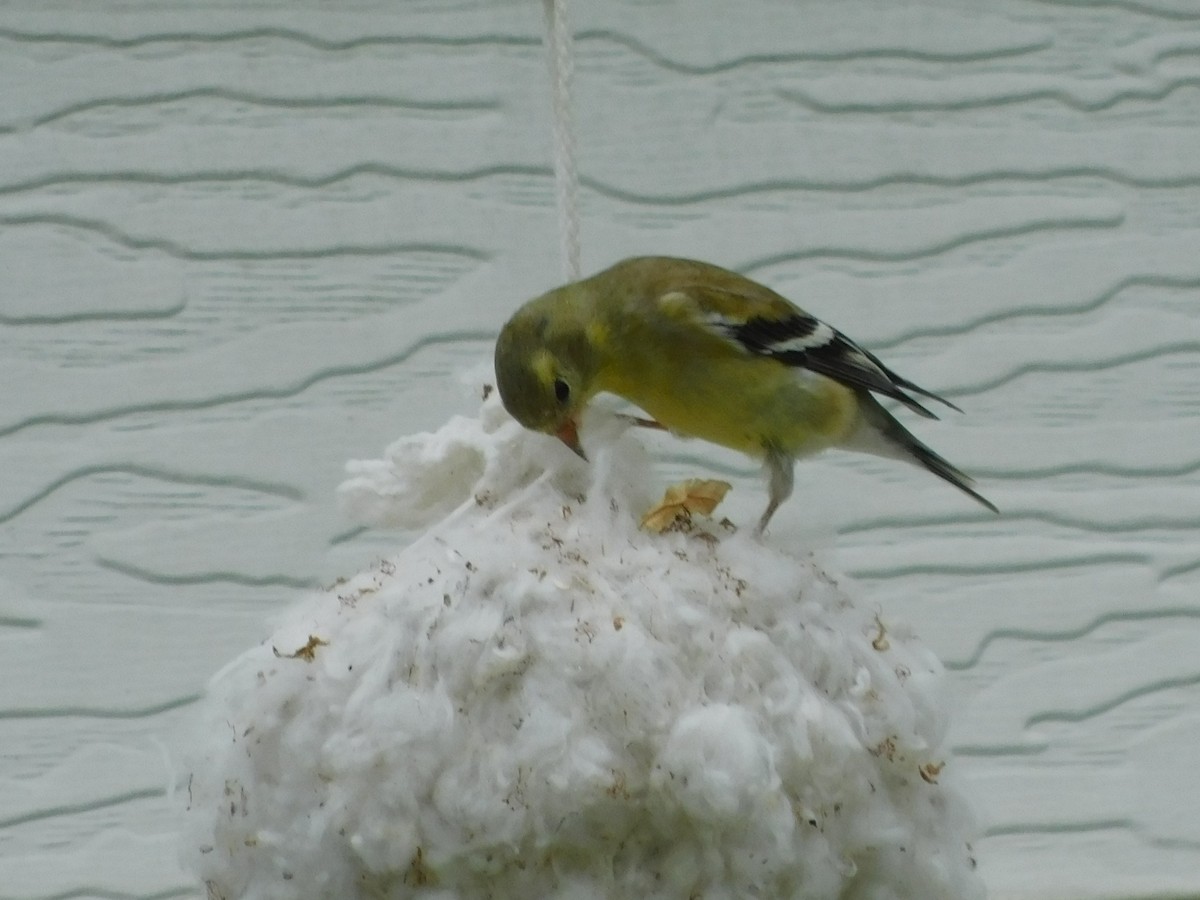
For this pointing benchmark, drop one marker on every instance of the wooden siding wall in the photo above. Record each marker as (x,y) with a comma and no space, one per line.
(242,243)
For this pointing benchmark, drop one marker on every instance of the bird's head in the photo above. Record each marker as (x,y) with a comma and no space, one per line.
(541,373)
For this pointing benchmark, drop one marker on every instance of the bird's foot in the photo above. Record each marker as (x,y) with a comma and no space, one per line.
(641,422)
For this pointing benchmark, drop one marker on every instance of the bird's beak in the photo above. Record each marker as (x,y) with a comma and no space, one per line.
(568,433)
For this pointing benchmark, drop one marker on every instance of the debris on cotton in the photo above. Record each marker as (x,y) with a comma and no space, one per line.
(537,698)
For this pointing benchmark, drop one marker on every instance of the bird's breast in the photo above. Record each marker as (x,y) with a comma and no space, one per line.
(745,403)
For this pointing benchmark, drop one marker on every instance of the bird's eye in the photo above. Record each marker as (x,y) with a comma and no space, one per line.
(562,390)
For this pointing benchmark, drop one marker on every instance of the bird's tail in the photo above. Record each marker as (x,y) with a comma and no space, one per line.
(881,434)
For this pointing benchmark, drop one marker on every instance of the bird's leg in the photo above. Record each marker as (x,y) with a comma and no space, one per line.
(642,423)
(781,469)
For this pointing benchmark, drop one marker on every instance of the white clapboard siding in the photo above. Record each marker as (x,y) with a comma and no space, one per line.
(242,244)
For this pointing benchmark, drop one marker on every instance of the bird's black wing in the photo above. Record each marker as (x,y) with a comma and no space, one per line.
(797,339)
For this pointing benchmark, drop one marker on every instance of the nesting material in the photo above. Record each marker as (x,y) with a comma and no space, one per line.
(539,699)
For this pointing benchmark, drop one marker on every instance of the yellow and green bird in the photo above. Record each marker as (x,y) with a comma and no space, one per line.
(707,353)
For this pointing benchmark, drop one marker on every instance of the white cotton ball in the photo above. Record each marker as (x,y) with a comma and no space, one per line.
(416,485)
(716,765)
(538,699)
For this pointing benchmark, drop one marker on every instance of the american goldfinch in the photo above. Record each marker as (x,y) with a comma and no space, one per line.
(709,354)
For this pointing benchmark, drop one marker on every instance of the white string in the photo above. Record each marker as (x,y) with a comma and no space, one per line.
(566,176)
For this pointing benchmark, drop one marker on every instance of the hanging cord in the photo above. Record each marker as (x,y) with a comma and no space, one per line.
(566,176)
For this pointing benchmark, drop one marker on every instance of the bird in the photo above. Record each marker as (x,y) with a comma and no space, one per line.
(711,354)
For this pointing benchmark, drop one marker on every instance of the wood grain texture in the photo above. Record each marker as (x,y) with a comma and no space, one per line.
(241,245)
